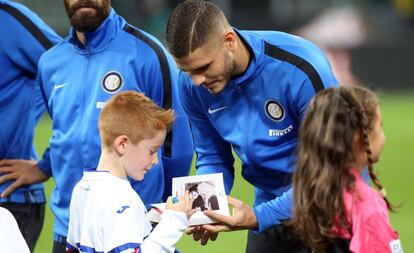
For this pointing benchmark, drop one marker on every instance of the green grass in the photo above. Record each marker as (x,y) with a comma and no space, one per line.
(395,171)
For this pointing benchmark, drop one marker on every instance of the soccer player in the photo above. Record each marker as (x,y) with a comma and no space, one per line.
(24,37)
(102,56)
(246,90)
(106,214)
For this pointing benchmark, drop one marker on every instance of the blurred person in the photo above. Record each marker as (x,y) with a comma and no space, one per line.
(11,239)
(102,56)
(337,31)
(24,38)
(246,90)
(106,214)
(341,135)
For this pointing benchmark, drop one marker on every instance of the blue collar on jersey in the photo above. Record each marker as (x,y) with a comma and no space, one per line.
(256,45)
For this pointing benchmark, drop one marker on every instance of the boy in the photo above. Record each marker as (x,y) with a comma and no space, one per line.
(106,214)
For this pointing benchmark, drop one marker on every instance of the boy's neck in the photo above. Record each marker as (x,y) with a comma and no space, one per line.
(110,161)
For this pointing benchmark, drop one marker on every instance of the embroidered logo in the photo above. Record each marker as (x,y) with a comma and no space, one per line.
(112,82)
(280,132)
(123,208)
(274,110)
(211,111)
(100,105)
(58,86)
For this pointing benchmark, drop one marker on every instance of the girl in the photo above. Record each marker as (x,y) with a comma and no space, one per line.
(341,134)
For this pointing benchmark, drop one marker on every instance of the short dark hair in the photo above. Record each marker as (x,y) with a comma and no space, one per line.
(190,26)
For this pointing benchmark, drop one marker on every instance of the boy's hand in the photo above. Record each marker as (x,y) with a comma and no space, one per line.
(184,204)
(22,171)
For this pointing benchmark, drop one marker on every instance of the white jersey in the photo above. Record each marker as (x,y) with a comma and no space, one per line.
(11,239)
(107,215)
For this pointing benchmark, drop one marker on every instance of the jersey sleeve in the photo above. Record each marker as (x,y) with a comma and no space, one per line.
(214,154)
(166,234)
(29,37)
(272,212)
(45,163)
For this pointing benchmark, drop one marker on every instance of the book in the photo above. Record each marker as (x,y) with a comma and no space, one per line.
(206,191)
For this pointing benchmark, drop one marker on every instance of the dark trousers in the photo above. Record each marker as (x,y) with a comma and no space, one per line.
(59,247)
(276,239)
(281,239)
(30,219)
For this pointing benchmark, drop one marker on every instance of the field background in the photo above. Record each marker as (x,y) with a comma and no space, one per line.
(395,171)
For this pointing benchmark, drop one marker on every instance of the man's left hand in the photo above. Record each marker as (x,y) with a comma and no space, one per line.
(243,217)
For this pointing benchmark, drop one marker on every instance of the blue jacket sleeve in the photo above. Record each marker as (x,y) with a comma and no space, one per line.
(214,155)
(273,212)
(29,36)
(44,164)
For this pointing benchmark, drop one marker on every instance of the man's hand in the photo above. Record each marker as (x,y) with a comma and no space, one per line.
(22,171)
(243,217)
(200,234)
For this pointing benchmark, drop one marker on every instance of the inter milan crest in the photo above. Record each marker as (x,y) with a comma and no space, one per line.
(274,110)
(112,82)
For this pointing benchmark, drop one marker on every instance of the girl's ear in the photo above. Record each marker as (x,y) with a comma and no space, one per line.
(359,142)
(120,144)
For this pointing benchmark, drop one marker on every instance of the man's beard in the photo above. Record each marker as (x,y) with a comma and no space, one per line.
(229,66)
(87,21)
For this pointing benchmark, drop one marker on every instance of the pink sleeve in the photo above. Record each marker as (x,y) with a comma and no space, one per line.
(372,233)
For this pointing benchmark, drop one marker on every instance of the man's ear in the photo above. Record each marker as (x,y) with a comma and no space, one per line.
(120,144)
(230,40)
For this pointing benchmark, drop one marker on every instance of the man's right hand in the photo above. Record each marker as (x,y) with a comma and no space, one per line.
(22,171)
(202,235)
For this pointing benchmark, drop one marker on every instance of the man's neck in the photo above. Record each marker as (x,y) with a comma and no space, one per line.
(241,56)
(81,37)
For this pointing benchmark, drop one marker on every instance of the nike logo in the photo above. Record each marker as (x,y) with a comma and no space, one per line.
(211,111)
(58,86)
(123,208)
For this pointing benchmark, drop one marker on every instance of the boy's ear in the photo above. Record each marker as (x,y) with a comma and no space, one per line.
(120,144)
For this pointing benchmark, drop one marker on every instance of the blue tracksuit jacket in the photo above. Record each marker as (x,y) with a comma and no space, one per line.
(24,37)
(77,80)
(258,115)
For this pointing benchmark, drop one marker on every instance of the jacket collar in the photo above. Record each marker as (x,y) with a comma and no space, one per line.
(99,39)
(256,46)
